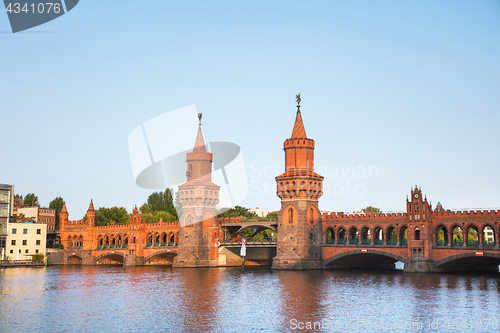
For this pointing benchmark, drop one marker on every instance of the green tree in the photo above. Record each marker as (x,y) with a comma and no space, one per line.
(57,204)
(238,211)
(31,198)
(372,209)
(272,216)
(457,234)
(161,202)
(18,196)
(153,217)
(103,216)
(472,235)
(144,209)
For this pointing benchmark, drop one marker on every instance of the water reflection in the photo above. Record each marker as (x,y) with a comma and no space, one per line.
(228,300)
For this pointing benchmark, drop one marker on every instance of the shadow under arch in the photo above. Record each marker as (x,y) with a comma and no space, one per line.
(74,260)
(356,259)
(111,258)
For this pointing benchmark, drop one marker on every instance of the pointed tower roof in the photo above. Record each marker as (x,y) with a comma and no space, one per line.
(64,210)
(299,132)
(199,145)
(91,206)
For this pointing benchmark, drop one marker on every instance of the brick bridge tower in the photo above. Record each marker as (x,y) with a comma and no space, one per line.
(299,220)
(420,227)
(198,233)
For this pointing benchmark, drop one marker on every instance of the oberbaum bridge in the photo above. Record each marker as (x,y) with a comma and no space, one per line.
(423,238)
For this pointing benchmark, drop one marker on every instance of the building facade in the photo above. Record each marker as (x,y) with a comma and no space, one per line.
(6,208)
(36,214)
(25,239)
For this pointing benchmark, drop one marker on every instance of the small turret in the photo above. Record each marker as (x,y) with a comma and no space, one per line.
(63,216)
(91,214)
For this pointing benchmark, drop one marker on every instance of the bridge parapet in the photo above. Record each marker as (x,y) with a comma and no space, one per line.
(337,217)
(162,224)
(467,213)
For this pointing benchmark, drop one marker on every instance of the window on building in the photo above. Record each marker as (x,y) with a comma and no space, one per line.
(26,251)
(25,231)
(38,231)
(13,242)
(37,242)
(417,233)
(14,231)
(36,251)
(25,242)
(11,251)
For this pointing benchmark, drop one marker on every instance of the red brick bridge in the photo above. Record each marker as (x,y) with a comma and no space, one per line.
(422,238)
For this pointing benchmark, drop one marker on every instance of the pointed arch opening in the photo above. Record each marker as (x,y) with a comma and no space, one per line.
(489,236)
(330,236)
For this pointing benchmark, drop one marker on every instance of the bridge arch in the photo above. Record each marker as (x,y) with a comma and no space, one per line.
(355,258)
(391,235)
(472,234)
(378,234)
(488,235)
(457,234)
(403,235)
(329,235)
(441,234)
(74,260)
(162,257)
(469,261)
(341,235)
(365,235)
(110,258)
(353,235)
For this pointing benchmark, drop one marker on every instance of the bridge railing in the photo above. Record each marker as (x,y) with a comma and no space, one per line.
(251,240)
(367,242)
(162,244)
(113,247)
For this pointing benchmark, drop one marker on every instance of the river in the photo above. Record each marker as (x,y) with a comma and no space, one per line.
(165,299)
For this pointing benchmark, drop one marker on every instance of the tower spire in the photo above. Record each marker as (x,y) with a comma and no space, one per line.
(299,132)
(199,145)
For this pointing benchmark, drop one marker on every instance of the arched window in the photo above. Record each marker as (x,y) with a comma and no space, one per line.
(311,215)
(290,215)
(417,233)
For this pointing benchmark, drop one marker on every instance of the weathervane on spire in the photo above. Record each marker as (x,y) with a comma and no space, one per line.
(297,98)
(199,118)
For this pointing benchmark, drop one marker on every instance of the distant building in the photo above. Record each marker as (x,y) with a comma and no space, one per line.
(25,239)
(6,207)
(36,214)
(261,212)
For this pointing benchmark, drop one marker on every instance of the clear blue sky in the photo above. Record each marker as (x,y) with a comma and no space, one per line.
(409,88)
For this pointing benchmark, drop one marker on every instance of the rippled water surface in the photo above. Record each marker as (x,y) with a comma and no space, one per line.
(163,299)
